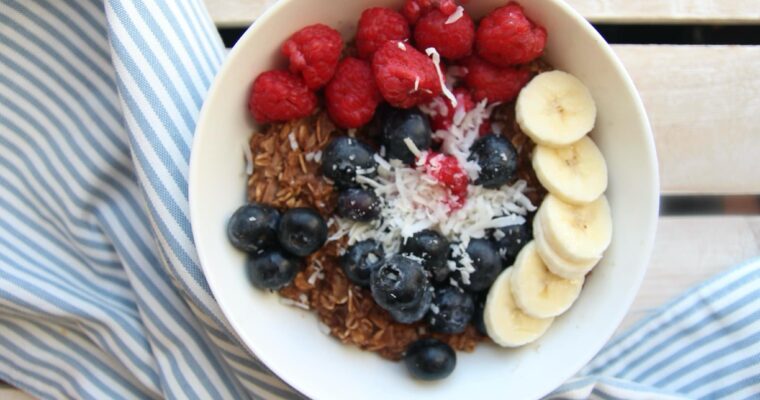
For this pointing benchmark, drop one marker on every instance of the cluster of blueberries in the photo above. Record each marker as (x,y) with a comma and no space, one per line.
(412,286)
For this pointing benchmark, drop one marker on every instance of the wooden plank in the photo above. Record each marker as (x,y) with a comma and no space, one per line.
(703,104)
(242,12)
(689,250)
(11,393)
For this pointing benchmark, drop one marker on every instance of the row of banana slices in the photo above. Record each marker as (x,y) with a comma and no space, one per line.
(573,225)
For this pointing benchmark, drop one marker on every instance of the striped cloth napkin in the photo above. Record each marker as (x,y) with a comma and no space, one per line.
(101,294)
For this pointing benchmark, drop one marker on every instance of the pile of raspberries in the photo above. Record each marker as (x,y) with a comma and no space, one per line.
(392,62)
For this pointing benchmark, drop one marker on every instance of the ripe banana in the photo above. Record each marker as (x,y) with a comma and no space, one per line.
(555,109)
(538,292)
(576,173)
(576,233)
(505,323)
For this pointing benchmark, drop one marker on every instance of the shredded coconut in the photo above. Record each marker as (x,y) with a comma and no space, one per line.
(289,302)
(412,147)
(293,141)
(401,46)
(248,159)
(431,52)
(455,16)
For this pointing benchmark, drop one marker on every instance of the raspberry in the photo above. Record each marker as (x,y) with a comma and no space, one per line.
(404,76)
(414,9)
(314,52)
(352,96)
(507,37)
(378,25)
(280,96)
(452,40)
(441,121)
(487,81)
(445,169)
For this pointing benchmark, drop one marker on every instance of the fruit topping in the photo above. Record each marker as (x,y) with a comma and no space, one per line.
(451,311)
(576,173)
(506,324)
(400,283)
(497,84)
(430,247)
(358,204)
(352,96)
(555,109)
(279,96)
(497,159)
(444,113)
(314,52)
(344,158)
(301,231)
(403,124)
(452,40)
(253,227)
(538,292)
(479,266)
(430,359)
(405,76)
(507,37)
(361,259)
(445,169)
(376,26)
(510,240)
(272,269)
(414,9)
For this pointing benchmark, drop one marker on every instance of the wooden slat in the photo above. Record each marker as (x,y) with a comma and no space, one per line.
(11,393)
(703,103)
(689,250)
(242,12)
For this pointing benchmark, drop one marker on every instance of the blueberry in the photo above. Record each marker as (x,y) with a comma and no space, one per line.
(414,313)
(301,231)
(253,227)
(273,269)
(510,240)
(451,311)
(432,248)
(497,159)
(480,306)
(400,124)
(358,204)
(486,263)
(430,359)
(344,158)
(400,283)
(361,259)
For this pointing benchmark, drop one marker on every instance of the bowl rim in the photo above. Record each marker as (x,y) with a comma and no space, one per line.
(649,153)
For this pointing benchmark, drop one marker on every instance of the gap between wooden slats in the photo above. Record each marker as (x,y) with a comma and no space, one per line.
(242,12)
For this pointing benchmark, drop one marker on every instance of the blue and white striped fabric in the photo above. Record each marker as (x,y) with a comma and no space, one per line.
(101,295)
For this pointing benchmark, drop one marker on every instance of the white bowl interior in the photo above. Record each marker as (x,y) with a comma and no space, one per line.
(288,340)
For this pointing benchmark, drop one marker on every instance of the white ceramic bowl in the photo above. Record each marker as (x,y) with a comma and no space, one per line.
(288,340)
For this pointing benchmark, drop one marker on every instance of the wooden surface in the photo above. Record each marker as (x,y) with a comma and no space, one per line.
(689,250)
(703,104)
(242,12)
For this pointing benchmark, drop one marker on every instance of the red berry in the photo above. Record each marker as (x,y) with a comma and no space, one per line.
(445,169)
(376,26)
(314,52)
(441,121)
(280,96)
(487,81)
(452,40)
(414,9)
(507,37)
(352,96)
(404,76)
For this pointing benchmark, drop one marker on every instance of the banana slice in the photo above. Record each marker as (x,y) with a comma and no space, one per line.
(554,262)
(538,292)
(505,323)
(576,173)
(576,233)
(555,109)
